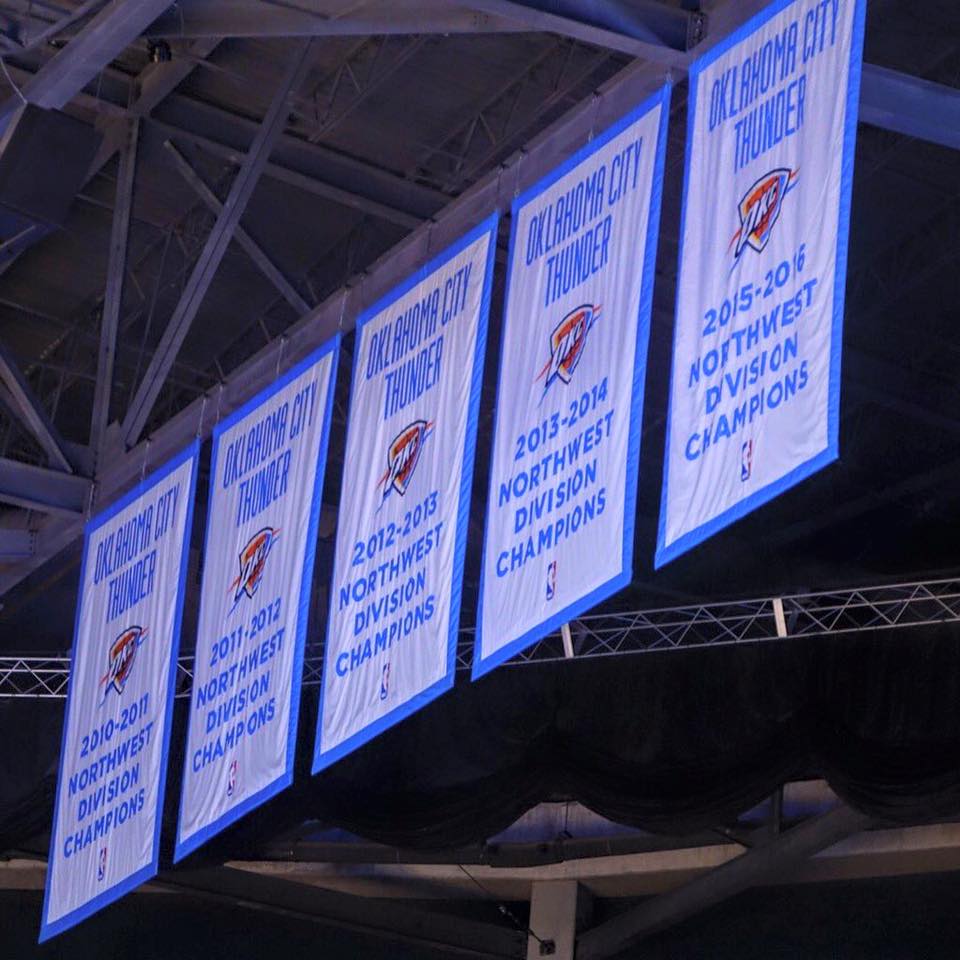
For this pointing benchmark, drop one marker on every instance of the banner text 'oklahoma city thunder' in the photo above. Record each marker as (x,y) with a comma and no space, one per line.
(266,483)
(113,759)
(408,468)
(563,483)
(754,401)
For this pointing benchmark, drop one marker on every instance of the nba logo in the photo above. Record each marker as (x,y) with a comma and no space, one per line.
(746,460)
(232,779)
(102,865)
(385,682)
(552,579)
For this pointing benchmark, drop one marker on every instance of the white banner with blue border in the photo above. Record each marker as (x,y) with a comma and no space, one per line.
(566,448)
(408,469)
(116,733)
(266,472)
(755,386)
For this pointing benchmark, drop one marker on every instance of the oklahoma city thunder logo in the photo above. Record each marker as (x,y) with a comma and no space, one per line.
(403,455)
(567,341)
(253,560)
(120,656)
(760,209)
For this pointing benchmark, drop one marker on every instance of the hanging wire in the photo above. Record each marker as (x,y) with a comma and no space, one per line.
(203,408)
(431,223)
(505,910)
(146,454)
(16,89)
(593,119)
(520,156)
(98,108)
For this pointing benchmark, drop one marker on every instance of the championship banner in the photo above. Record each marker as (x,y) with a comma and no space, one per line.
(566,447)
(266,481)
(755,388)
(113,756)
(402,529)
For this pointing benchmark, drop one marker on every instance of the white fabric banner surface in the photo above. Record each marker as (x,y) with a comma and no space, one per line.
(266,474)
(754,399)
(408,469)
(113,758)
(563,479)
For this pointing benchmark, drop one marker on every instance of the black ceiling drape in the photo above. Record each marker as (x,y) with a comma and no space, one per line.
(666,741)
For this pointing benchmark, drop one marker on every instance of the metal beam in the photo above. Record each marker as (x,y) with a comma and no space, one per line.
(231,134)
(356,79)
(23,402)
(155,82)
(649,21)
(269,269)
(644,28)
(911,106)
(152,85)
(294,178)
(302,165)
(49,31)
(313,168)
(494,192)
(216,246)
(254,18)
(557,908)
(36,488)
(757,866)
(888,99)
(113,297)
(607,863)
(488,132)
(621,30)
(625,32)
(158,80)
(626,864)
(16,544)
(100,41)
(381,918)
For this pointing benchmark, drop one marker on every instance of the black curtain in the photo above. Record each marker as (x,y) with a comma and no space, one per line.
(672,742)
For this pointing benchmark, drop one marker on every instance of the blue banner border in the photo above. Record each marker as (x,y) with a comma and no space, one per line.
(191,843)
(324,758)
(661,98)
(48,930)
(664,554)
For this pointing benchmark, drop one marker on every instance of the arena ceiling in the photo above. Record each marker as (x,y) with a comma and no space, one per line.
(400,111)
(347,140)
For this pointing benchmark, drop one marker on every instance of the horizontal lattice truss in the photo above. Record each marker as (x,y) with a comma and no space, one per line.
(835,612)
